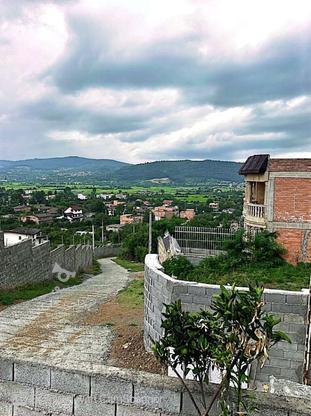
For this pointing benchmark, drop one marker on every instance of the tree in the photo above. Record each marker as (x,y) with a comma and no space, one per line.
(233,335)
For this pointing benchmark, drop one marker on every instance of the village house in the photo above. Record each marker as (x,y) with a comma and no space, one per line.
(187,214)
(74,213)
(105,197)
(168,202)
(278,198)
(165,212)
(82,197)
(214,206)
(131,219)
(18,235)
(22,208)
(121,196)
(37,218)
(114,227)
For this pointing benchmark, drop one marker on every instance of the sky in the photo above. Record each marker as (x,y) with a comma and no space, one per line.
(143,80)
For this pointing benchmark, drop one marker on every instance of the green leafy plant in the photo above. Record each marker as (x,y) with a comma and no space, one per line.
(233,335)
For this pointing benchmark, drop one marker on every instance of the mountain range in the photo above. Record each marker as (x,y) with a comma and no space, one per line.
(74,169)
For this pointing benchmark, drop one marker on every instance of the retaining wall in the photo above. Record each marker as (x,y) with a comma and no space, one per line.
(31,389)
(286,360)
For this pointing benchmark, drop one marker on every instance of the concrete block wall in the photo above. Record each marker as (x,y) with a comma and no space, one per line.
(107,251)
(22,264)
(33,389)
(73,258)
(286,360)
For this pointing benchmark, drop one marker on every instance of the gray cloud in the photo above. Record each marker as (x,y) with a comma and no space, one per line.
(280,69)
(97,56)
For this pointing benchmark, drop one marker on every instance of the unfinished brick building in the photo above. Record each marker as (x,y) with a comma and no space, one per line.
(278,198)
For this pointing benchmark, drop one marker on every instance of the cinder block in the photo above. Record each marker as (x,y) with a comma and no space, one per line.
(290,374)
(111,390)
(293,318)
(197,290)
(17,394)
(296,299)
(156,398)
(299,310)
(87,406)
(134,411)
(187,405)
(180,289)
(5,409)
(52,400)
(279,362)
(201,300)
(286,346)
(32,374)
(275,297)
(68,382)
(281,307)
(26,411)
(6,370)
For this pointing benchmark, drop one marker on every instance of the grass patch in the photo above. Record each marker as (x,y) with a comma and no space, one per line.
(133,294)
(9,297)
(129,265)
(212,271)
(94,268)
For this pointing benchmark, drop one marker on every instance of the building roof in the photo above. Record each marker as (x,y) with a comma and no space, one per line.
(24,231)
(255,165)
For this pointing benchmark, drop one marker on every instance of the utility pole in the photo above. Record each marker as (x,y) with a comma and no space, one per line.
(93,237)
(102,230)
(150,232)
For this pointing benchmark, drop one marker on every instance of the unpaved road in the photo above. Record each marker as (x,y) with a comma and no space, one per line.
(50,328)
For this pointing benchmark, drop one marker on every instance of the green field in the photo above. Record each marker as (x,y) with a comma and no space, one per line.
(87,189)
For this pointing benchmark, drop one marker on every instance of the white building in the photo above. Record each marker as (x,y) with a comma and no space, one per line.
(81,197)
(74,213)
(16,236)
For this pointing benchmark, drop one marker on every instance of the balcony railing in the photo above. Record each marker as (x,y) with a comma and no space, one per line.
(256,210)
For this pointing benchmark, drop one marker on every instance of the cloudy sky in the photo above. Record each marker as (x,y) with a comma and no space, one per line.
(140,80)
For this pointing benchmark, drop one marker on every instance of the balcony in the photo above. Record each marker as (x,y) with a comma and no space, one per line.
(255,210)
(255,216)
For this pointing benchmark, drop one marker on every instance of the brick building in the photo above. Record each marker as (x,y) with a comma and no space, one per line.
(278,198)
(187,214)
(165,212)
(131,219)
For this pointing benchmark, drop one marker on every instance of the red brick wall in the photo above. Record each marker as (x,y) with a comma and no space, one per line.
(292,239)
(290,165)
(292,200)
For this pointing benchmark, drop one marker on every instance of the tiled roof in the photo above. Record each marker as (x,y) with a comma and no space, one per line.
(254,165)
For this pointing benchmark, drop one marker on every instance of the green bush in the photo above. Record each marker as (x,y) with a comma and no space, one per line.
(179,267)
(246,261)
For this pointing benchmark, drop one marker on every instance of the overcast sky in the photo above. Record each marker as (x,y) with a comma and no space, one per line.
(140,80)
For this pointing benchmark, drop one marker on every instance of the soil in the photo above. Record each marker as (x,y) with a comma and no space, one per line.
(127,349)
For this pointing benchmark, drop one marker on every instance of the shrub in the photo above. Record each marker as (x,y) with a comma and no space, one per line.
(179,267)
(236,333)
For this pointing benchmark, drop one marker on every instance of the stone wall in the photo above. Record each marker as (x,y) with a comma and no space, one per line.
(32,389)
(23,263)
(286,360)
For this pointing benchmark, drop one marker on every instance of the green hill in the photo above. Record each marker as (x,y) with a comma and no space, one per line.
(182,171)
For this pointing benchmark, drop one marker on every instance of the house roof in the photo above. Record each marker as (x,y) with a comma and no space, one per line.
(25,231)
(255,165)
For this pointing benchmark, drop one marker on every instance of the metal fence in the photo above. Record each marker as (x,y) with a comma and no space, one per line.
(201,241)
